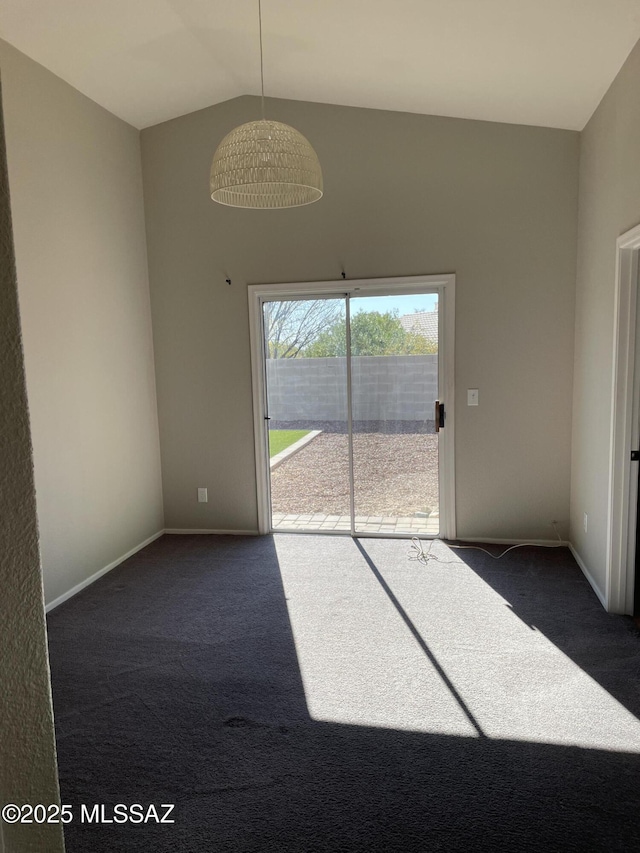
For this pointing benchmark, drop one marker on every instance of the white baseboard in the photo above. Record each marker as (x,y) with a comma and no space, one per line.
(490,541)
(187,531)
(88,581)
(585,571)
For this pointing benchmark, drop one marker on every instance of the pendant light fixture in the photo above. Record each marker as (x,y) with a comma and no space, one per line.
(265,164)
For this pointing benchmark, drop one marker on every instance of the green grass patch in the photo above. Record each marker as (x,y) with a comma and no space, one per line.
(280,439)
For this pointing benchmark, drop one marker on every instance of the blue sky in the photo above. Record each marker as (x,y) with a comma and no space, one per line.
(404,304)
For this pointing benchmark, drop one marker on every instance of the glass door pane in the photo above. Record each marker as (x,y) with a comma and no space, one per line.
(306,381)
(394,380)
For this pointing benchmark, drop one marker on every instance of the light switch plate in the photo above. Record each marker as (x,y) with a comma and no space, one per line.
(472,397)
(203,497)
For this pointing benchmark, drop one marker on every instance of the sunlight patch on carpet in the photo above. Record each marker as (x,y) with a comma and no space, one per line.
(437,649)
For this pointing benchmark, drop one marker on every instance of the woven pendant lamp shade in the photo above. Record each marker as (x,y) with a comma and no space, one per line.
(265,164)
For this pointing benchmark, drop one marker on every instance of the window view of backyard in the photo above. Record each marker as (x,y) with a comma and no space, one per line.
(394,369)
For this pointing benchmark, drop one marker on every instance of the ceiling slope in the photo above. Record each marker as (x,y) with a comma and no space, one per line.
(547,62)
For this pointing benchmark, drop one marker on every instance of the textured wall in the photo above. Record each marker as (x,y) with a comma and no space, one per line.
(609,206)
(392,387)
(28,771)
(76,192)
(404,195)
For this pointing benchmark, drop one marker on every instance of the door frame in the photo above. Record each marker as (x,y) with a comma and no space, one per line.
(444,285)
(625,430)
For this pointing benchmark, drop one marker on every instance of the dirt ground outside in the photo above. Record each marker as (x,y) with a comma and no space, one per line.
(395,474)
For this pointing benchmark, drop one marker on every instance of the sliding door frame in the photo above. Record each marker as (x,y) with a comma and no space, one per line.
(444,286)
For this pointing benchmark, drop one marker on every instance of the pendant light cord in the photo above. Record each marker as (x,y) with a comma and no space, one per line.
(261,60)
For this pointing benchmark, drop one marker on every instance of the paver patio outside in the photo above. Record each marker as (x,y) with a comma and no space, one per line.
(364,524)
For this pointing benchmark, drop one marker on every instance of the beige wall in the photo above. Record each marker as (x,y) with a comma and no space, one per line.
(609,206)
(75,179)
(28,772)
(404,195)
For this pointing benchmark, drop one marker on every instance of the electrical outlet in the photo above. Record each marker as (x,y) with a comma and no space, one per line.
(585,521)
(203,497)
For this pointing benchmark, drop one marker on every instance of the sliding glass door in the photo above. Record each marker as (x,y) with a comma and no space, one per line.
(307,407)
(394,388)
(348,391)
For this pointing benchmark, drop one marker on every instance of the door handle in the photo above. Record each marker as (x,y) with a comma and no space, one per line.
(439,416)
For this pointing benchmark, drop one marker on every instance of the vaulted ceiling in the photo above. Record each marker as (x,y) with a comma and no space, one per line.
(541,62)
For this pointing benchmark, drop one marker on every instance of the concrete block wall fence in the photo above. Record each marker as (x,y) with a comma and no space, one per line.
(387,387)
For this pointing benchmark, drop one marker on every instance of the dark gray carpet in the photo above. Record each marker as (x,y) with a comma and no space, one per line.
(306,693)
